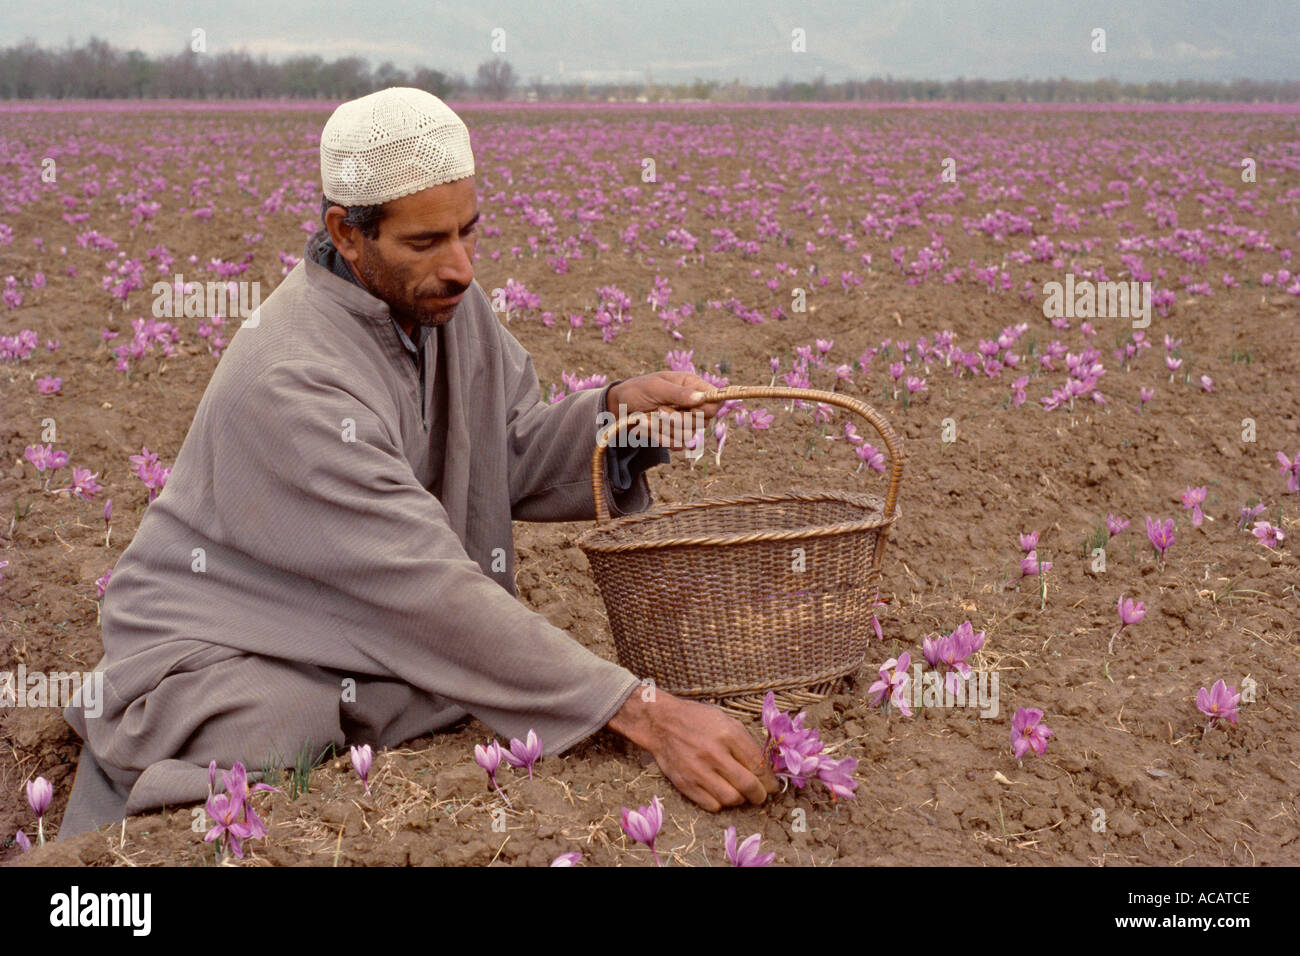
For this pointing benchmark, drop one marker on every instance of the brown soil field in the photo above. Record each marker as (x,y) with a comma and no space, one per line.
(938,788)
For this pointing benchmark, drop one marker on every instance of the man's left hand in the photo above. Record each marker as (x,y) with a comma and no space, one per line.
(668,394)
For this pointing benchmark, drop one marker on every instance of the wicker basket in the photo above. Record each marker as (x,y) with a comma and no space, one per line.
(705,598)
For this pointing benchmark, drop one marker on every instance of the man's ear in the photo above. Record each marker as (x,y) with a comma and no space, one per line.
(347,239)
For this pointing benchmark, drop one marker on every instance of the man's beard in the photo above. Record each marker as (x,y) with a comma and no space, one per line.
(392,285)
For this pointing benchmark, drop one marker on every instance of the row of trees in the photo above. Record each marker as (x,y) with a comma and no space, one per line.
(99,70)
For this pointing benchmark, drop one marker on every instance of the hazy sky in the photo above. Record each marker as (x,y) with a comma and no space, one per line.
(675,40)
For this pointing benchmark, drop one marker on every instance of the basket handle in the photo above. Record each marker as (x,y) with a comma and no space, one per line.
(873,417)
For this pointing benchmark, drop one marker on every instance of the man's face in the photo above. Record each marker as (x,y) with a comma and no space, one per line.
(423,259)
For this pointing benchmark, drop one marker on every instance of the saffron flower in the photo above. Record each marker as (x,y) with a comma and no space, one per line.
(362,758)
(1145,395)
(101,583)
(796,754)
(524,753)
(149,470)
(45,458)
(948,654)
(1207,383)
(1028,542)
(84,484)
(643,823)
(1192,498)
(747,854)
(1018,391)
(1030,565)
(1290,468)
(21,839)
(39,794)
(838,776)
(1028,732)
(567,859)
(893,683)
(761,419)
(233,814)
(489,758)
(1161,534)
(1269,536)
(875,621)
(48,385)
(1218,703)
(225,811)
(1130,612)
(1249,514)
(870,456)
(1115,525)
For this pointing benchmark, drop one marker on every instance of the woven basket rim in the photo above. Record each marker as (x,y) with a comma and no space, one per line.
(589,539)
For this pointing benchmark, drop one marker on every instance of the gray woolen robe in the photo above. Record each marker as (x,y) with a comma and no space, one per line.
(329,565)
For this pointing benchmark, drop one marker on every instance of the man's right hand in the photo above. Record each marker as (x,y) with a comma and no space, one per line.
(707,755)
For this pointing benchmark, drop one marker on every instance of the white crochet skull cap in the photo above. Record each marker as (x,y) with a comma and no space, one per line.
(390,144)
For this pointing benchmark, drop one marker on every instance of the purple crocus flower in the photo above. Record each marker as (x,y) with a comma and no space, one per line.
(643,823)
(1130,612)
(489,758)
(1290,468)
(39,794)
(1161,534)
(893,685)
(747,854)
(1028,732)
(870,456)
(362,758)
(932,649)
(1030,565)
(1116,525)
(84,484)
(21,839)
(49,385)
(524,753)
(225,811)
(1192,498)
(838,776)
(1249,514)
(1269,536)
(1028,542)
(567,859)
(1218,703)
(232,811)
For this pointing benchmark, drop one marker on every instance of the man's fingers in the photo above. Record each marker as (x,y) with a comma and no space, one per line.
(750,757)
(722,790)
(745,782)
(698,795)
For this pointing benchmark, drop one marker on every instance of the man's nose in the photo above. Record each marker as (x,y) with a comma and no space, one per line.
(457,269)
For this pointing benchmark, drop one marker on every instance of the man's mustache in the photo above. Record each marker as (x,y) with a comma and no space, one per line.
(450,295)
